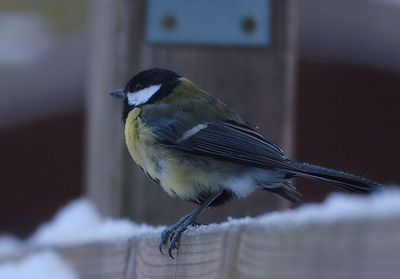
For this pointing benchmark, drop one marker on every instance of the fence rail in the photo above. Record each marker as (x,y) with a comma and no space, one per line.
(345,237)
(345,249)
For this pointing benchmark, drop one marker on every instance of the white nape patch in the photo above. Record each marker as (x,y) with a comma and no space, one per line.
(142,96)
(189,133)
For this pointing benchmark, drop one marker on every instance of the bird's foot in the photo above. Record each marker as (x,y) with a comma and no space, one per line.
(172,234)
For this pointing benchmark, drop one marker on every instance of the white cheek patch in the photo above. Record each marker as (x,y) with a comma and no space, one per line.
(142,96)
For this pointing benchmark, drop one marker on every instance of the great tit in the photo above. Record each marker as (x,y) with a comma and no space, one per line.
(200,150)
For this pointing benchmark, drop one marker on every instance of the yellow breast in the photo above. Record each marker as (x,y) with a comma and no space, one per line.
(177,174)
(131,132)
(139,140)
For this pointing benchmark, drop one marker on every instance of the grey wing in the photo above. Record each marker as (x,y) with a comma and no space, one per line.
(225,140)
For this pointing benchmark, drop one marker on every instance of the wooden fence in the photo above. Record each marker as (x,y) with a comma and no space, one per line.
(353,248)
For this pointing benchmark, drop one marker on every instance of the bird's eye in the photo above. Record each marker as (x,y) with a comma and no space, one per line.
(138,87)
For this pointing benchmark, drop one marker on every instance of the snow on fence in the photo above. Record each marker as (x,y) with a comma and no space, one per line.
(345,237)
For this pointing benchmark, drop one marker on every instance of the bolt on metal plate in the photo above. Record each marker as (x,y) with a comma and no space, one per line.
(210,22)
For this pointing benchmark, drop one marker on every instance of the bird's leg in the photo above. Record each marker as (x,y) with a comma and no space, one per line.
(172,234)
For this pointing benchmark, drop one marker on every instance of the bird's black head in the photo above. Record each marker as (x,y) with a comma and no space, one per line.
(145,88)
(154,77)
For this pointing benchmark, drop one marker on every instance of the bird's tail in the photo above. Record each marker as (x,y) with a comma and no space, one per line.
(340,179)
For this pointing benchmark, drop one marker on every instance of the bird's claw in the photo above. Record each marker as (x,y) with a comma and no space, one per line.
(164,238)
(174,241)
(171,235)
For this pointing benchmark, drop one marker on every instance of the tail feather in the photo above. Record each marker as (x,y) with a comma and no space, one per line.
(340,179)
(287,191)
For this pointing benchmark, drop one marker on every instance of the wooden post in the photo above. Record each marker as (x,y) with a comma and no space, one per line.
(257,82)
(109,67)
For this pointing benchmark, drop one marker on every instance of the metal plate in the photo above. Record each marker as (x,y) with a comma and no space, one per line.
(212,22)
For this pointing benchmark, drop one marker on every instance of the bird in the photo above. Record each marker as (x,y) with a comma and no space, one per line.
(200,150)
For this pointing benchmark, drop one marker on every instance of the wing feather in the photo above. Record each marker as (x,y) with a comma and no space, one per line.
(225,140)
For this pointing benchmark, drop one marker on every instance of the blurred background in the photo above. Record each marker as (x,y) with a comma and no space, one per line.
(345,107)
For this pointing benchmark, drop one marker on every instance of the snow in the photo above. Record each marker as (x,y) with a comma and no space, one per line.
(10,245)
(37,266)
(337,208)
(80,222)
(341,207)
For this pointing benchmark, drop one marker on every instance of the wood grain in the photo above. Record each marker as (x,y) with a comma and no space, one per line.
(104,136)
(98,260)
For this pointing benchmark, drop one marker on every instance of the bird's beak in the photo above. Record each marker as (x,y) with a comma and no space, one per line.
(118,93)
